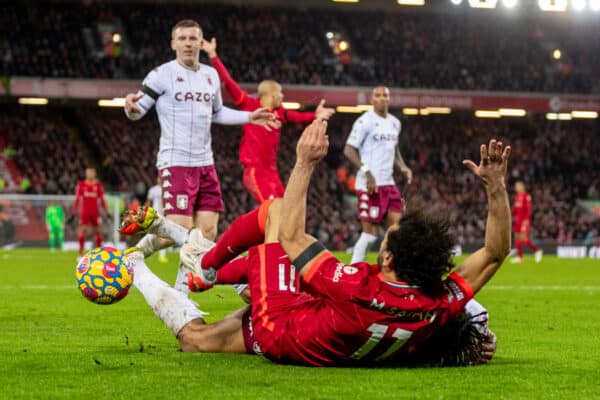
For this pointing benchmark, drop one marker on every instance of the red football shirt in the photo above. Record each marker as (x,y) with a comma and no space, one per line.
(358,317)
(258,147)
(521,209)
(89,193)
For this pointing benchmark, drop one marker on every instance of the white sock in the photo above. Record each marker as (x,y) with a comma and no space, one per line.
(171,230)
(361,247)
(170,305)
(181,280)
(148,244)
(162,253)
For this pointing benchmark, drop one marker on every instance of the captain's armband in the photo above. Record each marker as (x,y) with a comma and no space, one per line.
(308,254)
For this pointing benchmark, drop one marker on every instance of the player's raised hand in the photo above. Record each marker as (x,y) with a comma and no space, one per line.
(130,101)
(313,143)
(493,164)
(210,48)
(322,112)
(264,118)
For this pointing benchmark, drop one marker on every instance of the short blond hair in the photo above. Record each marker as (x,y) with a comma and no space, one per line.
(185,23)
(266,86)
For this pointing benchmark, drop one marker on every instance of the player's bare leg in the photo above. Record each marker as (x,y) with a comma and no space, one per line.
(367,237)
(392,218)
(207,222)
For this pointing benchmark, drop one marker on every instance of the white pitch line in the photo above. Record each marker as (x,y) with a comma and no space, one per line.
(542,287)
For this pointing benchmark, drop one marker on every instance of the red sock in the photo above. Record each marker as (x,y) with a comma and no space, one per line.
(81,239)
(245,231)
(98,240)
(532,246)
(519,246)
(235,271)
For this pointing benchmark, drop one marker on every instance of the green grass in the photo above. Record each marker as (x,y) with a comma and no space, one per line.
(55,344)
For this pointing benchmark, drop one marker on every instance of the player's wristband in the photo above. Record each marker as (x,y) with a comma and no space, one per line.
(364,169)
(308,254)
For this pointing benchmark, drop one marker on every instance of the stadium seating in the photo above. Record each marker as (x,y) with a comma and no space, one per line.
(556,160)
(472,51)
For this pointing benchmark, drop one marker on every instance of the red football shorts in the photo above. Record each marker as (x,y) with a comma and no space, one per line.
(374,207)
(521,226)
(276,297)
(263,183)
(92,219)
(189,189)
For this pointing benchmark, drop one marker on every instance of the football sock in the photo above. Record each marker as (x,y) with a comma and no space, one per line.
(148,244)
(181,280)
(519,246)
(245,231)
(51,239)
(235,271)
(170,305)
(361,247)
(530,244)
(98,240)
(81,240)
(171,230)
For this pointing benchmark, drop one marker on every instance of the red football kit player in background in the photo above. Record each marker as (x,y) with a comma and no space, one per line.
(521,213)
(258,147)
(89,192)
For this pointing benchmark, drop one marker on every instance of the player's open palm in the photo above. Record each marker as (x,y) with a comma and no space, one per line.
(130,101)
(493,164)
(264,118)
(313,143)
(209,47)
(323,112)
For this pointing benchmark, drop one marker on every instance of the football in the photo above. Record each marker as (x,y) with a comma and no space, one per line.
(104,275)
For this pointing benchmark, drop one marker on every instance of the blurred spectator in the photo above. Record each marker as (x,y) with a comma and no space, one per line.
(470,50)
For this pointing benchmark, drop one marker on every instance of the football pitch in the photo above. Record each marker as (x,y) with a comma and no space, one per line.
(54,344)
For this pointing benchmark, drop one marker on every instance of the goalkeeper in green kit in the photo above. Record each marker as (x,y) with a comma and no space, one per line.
(55,223)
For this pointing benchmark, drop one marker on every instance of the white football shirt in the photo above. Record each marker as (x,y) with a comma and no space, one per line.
(155,196)
(376,139)
(185,103)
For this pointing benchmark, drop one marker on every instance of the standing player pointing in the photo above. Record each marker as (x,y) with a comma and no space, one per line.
(187,96)
(258,149)
(372,148)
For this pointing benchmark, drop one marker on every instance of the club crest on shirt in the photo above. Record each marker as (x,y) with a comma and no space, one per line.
(182,201)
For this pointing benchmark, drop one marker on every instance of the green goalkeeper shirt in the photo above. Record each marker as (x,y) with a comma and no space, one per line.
(55,216)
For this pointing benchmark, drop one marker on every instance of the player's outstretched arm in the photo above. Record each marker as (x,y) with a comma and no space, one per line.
(478,269)
(322,113)
(311,148)
(233,88)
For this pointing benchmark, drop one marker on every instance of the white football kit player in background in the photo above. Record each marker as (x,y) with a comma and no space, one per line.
(372,148)
(187,97)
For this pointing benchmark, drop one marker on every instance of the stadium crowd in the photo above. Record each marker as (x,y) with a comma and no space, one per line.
(556,160)
(472,51)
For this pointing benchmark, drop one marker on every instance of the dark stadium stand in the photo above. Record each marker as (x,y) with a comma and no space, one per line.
(556,160)
(473,51)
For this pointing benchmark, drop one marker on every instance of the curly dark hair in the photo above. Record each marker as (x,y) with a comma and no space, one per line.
(422,248)
(455,344)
